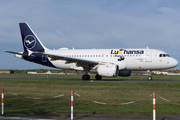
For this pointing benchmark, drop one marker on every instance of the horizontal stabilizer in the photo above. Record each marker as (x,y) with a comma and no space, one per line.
(18,53)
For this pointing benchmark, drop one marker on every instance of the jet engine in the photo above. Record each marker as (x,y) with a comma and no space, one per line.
(124,73)
(108,70)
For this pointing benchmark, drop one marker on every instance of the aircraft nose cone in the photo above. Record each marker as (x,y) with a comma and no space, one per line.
(175,63)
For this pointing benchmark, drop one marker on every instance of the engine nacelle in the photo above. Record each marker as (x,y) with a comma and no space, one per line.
(108,70)
(124,73)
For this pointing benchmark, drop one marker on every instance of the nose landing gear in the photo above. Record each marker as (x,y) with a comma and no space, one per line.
(149,75)
(149,78)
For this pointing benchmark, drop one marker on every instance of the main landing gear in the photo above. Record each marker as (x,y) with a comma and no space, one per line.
(87,77)
(98,77)
(149,75)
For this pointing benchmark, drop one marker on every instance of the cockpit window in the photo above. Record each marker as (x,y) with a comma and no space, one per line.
(167,55)
(164,55)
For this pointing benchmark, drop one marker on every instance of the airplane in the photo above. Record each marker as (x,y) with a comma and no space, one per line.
(102,62)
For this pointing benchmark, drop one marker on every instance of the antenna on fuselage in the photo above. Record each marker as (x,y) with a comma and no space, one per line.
(147,47)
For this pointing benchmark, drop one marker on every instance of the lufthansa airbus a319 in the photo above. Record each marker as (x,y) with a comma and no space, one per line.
(102,62)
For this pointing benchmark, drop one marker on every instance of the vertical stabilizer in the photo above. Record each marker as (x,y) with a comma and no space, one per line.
(29,39)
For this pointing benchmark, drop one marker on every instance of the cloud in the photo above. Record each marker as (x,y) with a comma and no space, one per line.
(93,24)
(168,11)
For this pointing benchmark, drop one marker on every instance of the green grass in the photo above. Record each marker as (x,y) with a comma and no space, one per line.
(106,92)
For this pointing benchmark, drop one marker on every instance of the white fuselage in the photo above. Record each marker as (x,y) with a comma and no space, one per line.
(126,59)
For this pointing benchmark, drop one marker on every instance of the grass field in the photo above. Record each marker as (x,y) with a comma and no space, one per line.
(106,92)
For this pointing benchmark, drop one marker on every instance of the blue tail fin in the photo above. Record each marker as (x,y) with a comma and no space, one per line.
(30,40)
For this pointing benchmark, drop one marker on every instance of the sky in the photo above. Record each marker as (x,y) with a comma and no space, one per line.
(88,24)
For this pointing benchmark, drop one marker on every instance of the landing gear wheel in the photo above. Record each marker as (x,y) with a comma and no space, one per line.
(86,77)
(149,78)
(98,77)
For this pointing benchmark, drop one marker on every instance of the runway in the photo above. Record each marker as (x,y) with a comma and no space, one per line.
(103,80)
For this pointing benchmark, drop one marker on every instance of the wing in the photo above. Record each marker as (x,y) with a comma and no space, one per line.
(80,62)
